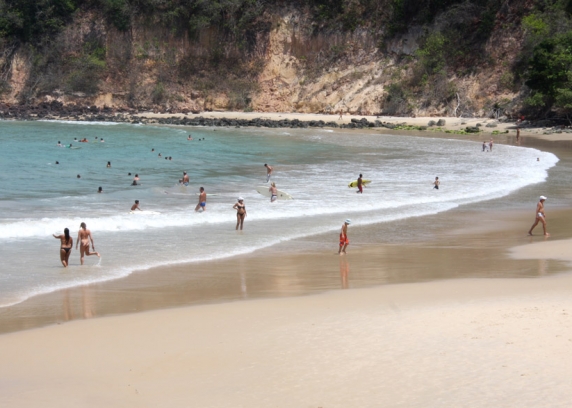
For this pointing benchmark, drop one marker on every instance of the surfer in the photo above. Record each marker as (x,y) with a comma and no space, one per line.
(540,217)
(274,192)
(84,236)
(436,183)
(269,170)
(135,206)
(344,240)
(202,200)
(185,178)
(360,184)
(66,246)
(135,180)
(240,212)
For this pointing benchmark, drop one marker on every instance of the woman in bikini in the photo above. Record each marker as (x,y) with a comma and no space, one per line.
(66,246)
(240,212)
(84,236)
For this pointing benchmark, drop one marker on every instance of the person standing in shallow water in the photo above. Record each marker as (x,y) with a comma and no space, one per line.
(240,212)
(84,237)
(66,246)
(540,217)
(436,183)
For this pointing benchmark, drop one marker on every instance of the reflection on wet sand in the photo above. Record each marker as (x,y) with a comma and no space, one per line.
(344,272)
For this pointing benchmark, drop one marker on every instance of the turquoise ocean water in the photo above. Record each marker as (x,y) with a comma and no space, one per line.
(39,197)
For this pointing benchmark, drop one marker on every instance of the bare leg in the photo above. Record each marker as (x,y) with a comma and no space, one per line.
(241,221)
(533,225)
(237,221)
(84,251)
(63,258)
(544,227)
(344,250)
(197,207)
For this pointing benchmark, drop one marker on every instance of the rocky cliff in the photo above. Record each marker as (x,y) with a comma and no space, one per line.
(285,61)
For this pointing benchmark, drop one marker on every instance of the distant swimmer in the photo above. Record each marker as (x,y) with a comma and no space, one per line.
(540,217)
(57,162)
(84,237)
(60,144)
(135,180)
(269,170)
(185,178)
(240,212)
(135,206)
(100,190)
(69,146)
(78,176)
(273,192)
(202,200)
(152,150)
(436,183)
(102,141)
(360,184)
(66,246)
(160,155)
(189,137)
(84,140)
(75,139)
(344,240)
(108,164)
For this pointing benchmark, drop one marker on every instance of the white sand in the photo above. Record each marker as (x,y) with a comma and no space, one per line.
(460,343)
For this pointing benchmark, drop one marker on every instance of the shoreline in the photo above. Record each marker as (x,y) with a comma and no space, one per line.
(77,297)
(478,127)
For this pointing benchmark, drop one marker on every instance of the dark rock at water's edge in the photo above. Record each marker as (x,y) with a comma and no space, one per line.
(58,111)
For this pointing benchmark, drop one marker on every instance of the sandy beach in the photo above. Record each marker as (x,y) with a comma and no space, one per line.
(472,312)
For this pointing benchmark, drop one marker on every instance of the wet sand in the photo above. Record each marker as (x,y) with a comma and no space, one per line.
(466,310)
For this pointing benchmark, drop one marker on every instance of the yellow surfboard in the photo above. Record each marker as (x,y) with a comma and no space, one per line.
(354,183)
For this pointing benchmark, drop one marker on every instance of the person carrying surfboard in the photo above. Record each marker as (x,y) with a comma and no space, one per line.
(269,170)
(274,192)
(360,184)
(344,240)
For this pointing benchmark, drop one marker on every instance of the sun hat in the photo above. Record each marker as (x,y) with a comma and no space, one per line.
(348,221)
(542,198)
(240,199)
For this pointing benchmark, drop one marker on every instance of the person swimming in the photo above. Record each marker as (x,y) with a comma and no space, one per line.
(100,190)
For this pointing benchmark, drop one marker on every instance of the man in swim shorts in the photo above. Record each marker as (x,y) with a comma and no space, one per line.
(202,200)
(185,179)
(135,180)
(540,217)
(360,184)
(269,170)
(344,240)
(274,192)
(436,183)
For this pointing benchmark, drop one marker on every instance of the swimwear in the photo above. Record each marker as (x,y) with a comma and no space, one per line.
(360,189)
(344,240)
(203,203)
(273,197)
(436,187)
(66,249)
(186,183)
(540,215)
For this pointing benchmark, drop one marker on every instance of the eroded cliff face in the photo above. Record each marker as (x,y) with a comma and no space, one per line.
(284,68)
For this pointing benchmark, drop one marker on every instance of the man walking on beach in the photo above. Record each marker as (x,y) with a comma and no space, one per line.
(202,200)
(540,217)
(344,240)
(269,170)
